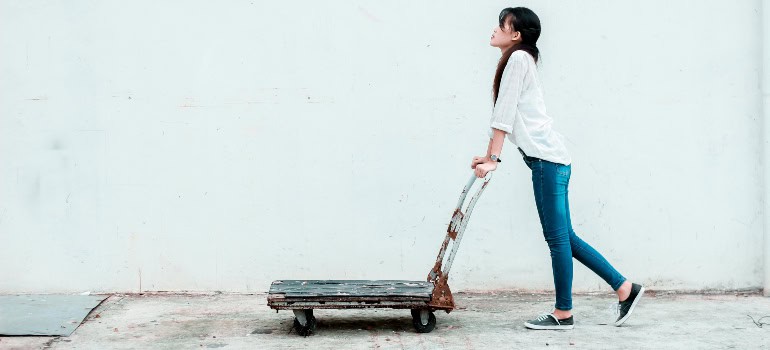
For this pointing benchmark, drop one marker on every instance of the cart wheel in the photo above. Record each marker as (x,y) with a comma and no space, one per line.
(423,320)
(309,320)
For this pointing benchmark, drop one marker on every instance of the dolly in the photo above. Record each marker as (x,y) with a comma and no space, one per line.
(421,297)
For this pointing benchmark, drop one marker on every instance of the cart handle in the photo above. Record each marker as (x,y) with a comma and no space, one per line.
(468,186)
(457,228)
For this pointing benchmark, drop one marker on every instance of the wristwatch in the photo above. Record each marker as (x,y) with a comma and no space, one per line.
(495,158)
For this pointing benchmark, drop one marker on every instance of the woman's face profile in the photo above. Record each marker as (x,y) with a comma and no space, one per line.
(505,37)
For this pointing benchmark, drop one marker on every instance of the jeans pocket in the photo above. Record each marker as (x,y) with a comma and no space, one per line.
(562,170)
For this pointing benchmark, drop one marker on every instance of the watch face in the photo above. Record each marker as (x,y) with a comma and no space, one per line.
(494,158)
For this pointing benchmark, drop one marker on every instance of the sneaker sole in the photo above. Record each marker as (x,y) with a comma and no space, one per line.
(631,309)
(554,328)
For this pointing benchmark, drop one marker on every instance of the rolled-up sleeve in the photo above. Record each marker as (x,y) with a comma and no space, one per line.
(511,85)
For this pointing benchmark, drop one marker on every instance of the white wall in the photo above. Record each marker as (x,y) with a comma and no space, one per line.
(195,145)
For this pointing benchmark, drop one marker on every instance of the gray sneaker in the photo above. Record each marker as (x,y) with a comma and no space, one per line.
(625,307)
(549,321)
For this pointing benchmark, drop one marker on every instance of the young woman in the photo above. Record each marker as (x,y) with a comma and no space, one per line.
(519,113)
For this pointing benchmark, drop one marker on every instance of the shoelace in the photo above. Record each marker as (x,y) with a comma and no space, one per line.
(614,308)
(612,312)
(545,316)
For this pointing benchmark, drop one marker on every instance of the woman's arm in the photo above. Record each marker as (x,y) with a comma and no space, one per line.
(495,147)
(496,143)
(483,165)
(504,112)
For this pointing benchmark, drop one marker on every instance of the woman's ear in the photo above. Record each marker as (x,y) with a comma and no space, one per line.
(516,36)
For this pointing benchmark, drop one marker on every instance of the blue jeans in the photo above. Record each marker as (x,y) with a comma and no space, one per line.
(550,181)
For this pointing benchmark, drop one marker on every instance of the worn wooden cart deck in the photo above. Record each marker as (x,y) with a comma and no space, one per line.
(421,297)
(329,294)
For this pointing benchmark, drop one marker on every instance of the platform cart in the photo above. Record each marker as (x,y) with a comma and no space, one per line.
(421,297)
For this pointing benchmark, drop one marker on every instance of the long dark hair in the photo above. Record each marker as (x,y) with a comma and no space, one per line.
(526,22)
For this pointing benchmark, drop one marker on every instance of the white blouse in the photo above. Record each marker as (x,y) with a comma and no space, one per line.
(520,112)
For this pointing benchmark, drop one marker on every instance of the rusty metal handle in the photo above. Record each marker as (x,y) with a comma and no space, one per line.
(457,228)
(468,186)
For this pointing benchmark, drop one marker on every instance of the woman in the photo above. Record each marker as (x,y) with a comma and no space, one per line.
(519,113)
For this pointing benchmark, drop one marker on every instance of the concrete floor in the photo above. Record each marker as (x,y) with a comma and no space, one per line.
(482,321)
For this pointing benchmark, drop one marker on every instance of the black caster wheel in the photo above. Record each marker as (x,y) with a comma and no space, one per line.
(309,322)
(423,320)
